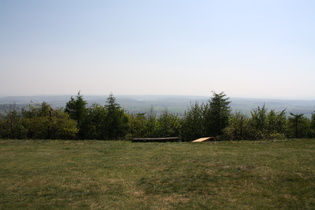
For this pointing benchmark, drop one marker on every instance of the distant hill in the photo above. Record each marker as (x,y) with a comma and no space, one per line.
(175,104)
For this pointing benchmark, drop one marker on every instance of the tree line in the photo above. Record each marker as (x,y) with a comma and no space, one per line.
(111,122)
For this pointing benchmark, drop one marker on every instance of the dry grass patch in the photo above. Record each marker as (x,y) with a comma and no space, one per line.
(124,175)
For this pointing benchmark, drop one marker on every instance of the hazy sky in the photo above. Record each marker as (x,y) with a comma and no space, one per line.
(246,48)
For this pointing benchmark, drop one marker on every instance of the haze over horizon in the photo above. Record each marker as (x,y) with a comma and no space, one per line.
(245,48)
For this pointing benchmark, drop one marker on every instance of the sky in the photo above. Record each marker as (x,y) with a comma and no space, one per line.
(245,48)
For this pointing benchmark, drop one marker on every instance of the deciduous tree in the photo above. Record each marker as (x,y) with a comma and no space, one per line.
(44,122)
(193,122)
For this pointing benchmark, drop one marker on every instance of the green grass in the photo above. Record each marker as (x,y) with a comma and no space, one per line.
(124,175)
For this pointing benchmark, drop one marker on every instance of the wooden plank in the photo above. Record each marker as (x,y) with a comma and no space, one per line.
(205,139)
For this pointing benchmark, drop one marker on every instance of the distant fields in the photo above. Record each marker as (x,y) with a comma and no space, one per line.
(174,104)
(37,174)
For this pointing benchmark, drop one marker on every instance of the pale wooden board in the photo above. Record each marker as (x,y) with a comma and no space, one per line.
(202,139)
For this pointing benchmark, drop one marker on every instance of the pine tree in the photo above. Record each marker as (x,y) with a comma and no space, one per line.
(297,124)
(116,119)
(217,113)
(77,110)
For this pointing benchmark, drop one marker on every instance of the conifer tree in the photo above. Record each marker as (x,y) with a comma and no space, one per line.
(216,113)
(77,110)
(116,119)
(297,124)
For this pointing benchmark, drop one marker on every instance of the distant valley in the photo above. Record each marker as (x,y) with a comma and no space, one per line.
(159,103)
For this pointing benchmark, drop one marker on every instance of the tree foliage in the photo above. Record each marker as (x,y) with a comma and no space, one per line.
(137,125)
(77,110)
(11,125)
(95,123)
(262,124)
(216,114)
(116,119)
(238,128)
(168,125)
(44,122)
(99,122)
(208,119)
(112,122)
(299,126)
(193,122)
(151,126)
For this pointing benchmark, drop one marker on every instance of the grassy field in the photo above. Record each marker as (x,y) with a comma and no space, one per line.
(125,175)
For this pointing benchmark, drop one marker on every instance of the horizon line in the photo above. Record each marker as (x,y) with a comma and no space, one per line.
(161,95)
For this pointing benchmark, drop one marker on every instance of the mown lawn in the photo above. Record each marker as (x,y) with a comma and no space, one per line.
(124,175)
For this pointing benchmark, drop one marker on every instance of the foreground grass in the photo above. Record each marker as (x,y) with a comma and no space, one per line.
(124,175)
